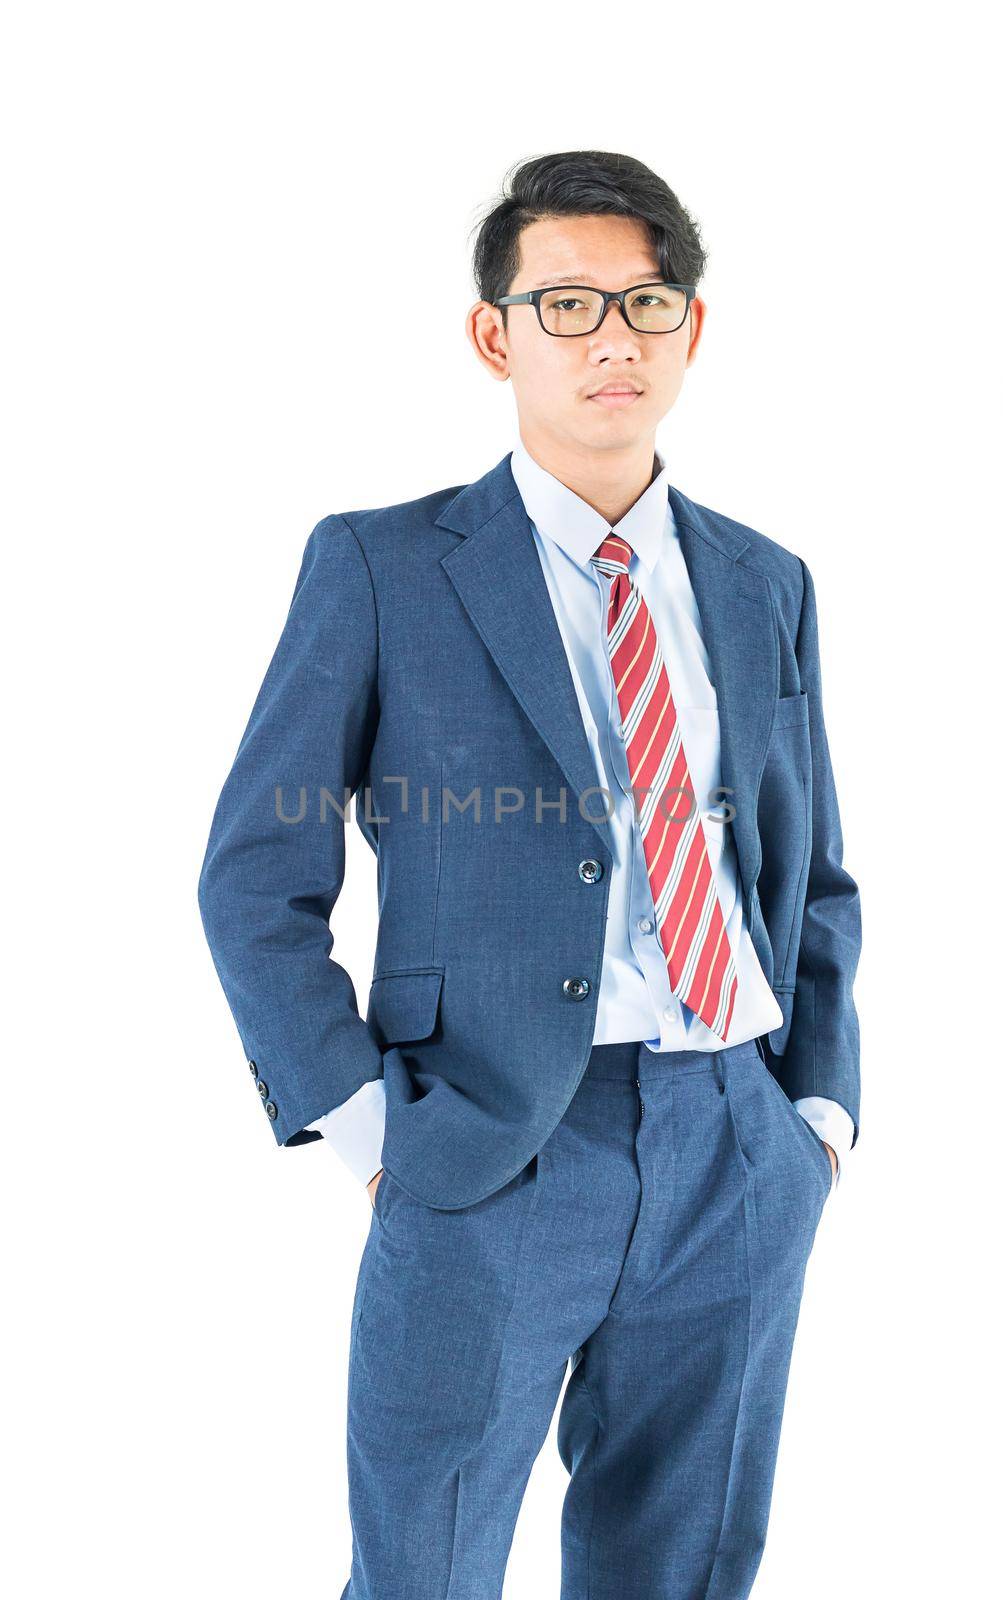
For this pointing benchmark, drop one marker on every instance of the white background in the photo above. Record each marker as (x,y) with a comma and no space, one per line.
(198,201)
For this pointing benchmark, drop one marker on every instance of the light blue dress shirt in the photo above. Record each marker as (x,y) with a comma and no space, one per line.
(635,998)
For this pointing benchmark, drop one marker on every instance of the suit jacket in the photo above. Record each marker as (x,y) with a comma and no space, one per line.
(421,667)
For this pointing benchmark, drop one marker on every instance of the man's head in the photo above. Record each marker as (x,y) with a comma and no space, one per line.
(606,221)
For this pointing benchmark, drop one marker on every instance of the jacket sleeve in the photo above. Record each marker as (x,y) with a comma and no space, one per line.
(822,1055)
(275,860)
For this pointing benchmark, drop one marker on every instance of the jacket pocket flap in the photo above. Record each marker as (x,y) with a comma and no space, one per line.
(404,1005)
(792,710)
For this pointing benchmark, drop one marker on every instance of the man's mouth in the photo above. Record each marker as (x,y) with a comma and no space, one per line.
(616,396)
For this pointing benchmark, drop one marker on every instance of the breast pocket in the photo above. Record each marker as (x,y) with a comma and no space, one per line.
(792,710)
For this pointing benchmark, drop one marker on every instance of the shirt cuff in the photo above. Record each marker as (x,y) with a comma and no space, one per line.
(832,1122)
(355,1129)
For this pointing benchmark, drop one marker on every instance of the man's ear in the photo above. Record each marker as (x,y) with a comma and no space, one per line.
(698,310)
(487,336)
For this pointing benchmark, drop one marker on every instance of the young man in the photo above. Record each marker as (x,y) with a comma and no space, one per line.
(610,1055)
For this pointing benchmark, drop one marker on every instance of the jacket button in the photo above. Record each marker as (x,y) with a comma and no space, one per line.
(590,871)
(272,1109)
(263,1088)
(254,1067)
(576,988)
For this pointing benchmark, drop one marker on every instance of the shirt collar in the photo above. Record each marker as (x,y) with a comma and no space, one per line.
(577,527)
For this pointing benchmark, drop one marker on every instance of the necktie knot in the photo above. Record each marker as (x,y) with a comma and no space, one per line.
(613,555)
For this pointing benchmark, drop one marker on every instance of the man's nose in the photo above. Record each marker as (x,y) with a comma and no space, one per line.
(619,328)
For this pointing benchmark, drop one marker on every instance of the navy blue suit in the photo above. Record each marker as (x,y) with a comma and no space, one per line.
(421,649)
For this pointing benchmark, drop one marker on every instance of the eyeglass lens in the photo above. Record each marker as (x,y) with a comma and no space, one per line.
(652,308)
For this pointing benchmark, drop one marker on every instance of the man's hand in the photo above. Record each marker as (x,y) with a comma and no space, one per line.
(832,1158)
(374,1183)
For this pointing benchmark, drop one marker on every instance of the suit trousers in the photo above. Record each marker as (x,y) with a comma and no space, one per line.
(657,1242)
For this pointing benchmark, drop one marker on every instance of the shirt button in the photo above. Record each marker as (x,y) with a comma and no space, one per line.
(670,1014)
(644,924)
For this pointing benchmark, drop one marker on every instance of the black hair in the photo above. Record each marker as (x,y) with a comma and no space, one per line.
(583,183)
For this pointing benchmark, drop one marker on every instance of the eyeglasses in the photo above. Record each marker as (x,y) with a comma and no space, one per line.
(571,309)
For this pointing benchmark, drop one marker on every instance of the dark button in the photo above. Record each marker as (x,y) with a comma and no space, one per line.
(254,1067)
(263,1088)
(590,871)
(272,1109)
(576,988)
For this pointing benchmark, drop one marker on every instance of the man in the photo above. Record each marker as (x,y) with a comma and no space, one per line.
(610,1058)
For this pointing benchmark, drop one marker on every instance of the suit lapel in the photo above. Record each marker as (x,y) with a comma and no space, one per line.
(497,575)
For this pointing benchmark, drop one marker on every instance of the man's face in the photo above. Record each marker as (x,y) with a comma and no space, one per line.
(555,378)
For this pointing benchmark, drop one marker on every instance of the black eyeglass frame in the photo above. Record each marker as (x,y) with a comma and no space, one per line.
(534,296)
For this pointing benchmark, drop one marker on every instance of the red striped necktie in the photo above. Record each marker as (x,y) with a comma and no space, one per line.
(688,912)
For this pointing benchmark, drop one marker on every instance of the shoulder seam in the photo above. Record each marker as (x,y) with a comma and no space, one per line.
(339,516)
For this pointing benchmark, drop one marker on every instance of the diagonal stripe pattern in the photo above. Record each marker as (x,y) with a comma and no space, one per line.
(688,914)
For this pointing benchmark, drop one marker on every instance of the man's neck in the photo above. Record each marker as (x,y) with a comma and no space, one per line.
(610,481)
